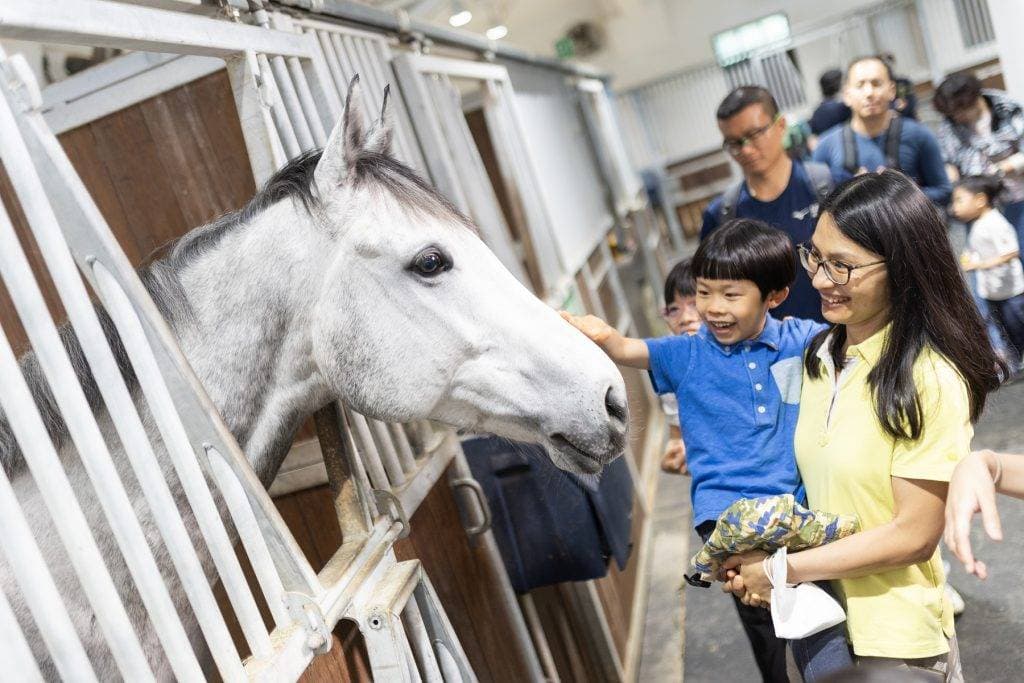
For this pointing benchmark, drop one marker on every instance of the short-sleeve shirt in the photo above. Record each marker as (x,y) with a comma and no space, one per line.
(848,461)
(737,410)
(992,236)
(795,212)
(920,157)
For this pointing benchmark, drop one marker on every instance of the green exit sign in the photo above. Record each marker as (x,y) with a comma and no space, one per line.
(565,48)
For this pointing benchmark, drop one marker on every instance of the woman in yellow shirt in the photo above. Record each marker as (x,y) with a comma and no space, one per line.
(889,397)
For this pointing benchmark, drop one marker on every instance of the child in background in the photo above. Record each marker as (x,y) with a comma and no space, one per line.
(993,255)
(681,316)
(737,381)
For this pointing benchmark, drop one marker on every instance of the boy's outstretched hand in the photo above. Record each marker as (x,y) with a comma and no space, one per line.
(596,329)
(622,350)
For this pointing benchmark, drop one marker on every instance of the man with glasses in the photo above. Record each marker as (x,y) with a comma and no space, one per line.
(775,189)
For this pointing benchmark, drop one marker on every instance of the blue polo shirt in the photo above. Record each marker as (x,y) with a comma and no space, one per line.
(738,407)
(920,157)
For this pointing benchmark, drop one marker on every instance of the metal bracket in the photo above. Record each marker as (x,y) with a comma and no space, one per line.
(481,499)
(387,501)
(304,610)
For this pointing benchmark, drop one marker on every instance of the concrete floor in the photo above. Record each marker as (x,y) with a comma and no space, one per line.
(989,632)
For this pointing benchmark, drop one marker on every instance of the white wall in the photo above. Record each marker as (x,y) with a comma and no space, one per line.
(567,171)
(1007,18)
(651,38)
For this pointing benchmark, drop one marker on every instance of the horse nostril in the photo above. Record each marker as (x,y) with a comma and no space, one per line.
(615,406)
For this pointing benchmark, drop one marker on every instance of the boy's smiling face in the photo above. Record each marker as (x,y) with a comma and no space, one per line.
(734,310)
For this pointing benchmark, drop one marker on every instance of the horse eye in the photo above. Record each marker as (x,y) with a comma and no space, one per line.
(431,262)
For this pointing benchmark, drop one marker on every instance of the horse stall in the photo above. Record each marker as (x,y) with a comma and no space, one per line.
(352,547)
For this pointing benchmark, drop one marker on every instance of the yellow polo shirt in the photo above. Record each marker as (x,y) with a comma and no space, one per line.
(847,463)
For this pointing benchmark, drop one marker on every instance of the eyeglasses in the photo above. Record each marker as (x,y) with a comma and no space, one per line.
(836,271)
(734,147)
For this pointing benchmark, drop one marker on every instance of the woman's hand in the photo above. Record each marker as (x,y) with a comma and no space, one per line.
(972,490)
(751,584)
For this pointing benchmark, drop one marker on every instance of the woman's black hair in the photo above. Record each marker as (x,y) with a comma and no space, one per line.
(988,185)
(955,93)
(745,249)
(680,281)
(887,214)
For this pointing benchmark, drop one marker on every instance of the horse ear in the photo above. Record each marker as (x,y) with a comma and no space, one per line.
(346,143)
(379,138)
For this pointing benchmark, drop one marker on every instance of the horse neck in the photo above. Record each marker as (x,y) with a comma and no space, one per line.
(249,340)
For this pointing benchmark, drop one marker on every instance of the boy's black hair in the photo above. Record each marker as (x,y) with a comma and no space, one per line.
(872,58)
(744,96)
(680,281)
(988,185)
(955,93)
(831,82)
(745,249)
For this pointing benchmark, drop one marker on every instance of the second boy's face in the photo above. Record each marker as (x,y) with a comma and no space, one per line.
(682,316)
(733,310)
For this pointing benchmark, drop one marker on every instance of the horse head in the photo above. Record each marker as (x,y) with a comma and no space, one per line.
(416,318)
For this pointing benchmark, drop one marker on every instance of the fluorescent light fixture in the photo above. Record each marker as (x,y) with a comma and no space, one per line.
(497,32)
(460,18)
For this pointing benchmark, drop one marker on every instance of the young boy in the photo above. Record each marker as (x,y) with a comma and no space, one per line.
(681,316)
(994,255)
(738,385)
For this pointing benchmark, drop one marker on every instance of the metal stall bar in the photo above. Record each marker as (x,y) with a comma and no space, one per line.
(74,406)
(19,663)
(404,448)
(254,103)
(29,568)
(366,446)
(252,539)
(64,183)
(138,450)
(282,119)
(389,456)
(100,23)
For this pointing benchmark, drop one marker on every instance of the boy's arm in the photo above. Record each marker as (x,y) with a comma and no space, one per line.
(623,350)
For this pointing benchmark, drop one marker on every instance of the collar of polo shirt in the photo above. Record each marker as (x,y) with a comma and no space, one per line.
(770,336)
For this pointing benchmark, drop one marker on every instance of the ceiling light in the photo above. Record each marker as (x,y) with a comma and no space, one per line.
(460,18)
(497,32)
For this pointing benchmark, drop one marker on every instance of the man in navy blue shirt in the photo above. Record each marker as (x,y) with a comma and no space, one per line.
(832,111)
(877,137)
(775,189)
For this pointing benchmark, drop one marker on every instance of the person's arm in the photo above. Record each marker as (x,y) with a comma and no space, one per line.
(972,489)
(995,262)
(623,350)
(934,178)
(910,537)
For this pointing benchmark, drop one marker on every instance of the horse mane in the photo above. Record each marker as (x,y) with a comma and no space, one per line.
(159,275)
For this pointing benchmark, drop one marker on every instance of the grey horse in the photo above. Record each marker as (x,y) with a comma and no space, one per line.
(345,278)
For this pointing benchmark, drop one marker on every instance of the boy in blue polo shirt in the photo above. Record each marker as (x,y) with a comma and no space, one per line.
(738,386)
